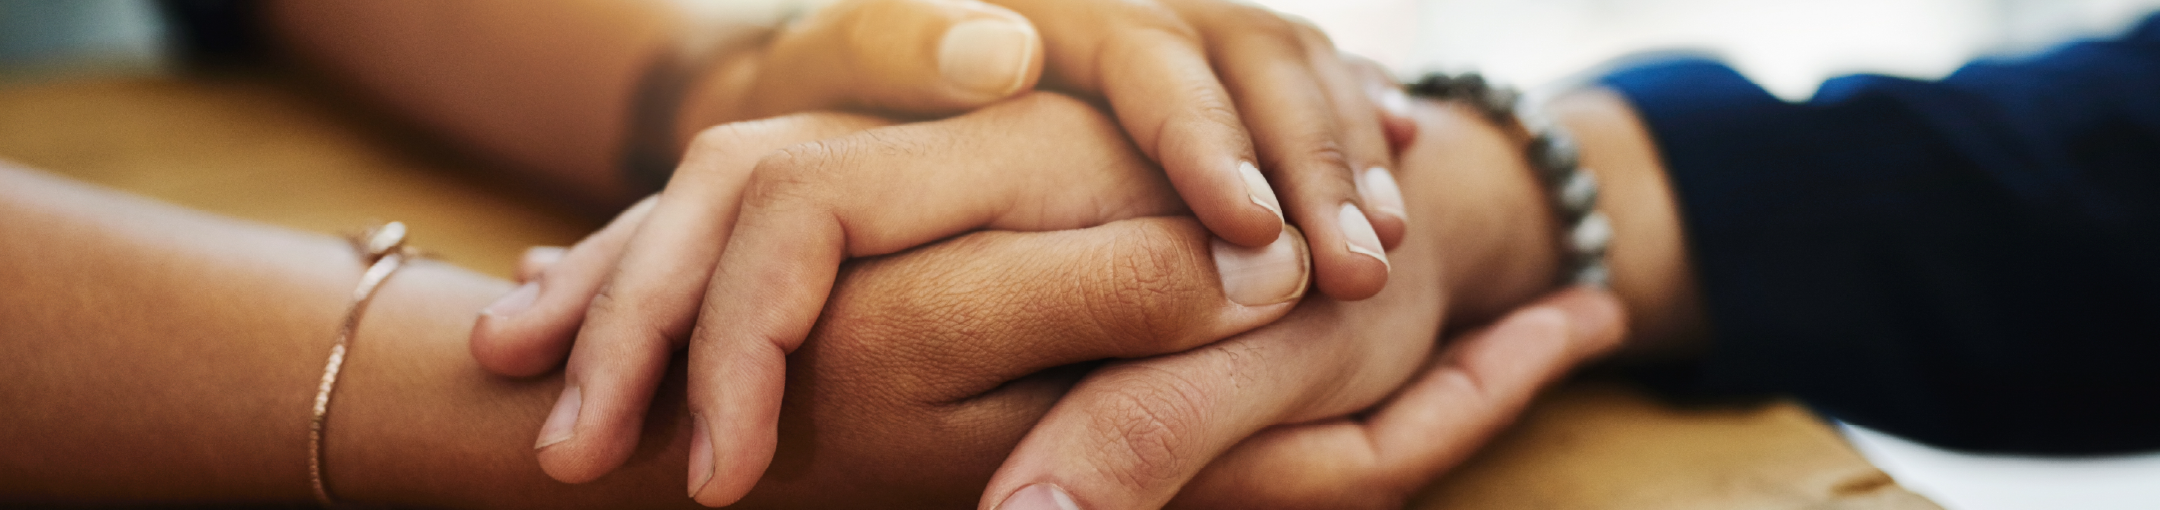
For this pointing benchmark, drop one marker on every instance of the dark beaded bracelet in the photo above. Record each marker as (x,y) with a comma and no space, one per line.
(1571,191)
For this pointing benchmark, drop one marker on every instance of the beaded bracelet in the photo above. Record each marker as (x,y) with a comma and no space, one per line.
(1571,191)
(383,250)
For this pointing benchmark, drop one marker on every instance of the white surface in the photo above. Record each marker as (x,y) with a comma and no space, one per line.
(1963,481)
(1789,46)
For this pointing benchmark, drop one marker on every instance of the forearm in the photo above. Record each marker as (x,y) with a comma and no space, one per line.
(156,354)
(545,87)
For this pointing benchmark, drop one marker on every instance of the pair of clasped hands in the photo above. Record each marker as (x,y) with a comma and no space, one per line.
(1092,298)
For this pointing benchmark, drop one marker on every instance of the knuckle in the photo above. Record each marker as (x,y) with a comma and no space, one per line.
(1145,426)
(611,302)
(1207,108)
(789,174)
(735,137)
(1151,16)
(1310,34)
(1323,152)
(1261,22)
(1141,300)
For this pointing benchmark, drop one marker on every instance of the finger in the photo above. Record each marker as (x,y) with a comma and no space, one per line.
(1132,433)
(1363,137)
(813,206)
(1299,138)
(646,306)
(528,331)
(536,260)
(1393,103)
(1127,289)
(927,57)
(1476,386)
(1150,66)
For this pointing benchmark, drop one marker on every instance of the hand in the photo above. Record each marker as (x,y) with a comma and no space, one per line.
(908,57)
(1323,130)
(650,266)
(1133,433)
(1472,153)
(1210,88)
(880,402)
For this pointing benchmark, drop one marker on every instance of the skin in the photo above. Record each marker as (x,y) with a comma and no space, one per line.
(105,413)
(512,339)
(546,87)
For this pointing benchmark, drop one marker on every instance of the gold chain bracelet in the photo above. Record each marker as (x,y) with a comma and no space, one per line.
(383,250)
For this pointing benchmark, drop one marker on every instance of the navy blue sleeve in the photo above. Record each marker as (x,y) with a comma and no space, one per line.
(1972,262)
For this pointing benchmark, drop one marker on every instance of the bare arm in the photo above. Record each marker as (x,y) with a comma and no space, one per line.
(548,87)
(543,86)
(157,354)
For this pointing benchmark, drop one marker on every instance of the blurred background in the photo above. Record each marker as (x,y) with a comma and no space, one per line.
(1789,46)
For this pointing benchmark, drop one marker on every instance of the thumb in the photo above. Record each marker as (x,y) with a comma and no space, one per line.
(923,57)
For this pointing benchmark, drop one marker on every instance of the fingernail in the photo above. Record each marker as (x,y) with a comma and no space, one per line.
(514,302)
(1358,233)
(1041,496)
(562,421)
(1256,186)
(538,258)
(1395,101)
(701,461)
(987,55)
(1380,191)
(1266,275)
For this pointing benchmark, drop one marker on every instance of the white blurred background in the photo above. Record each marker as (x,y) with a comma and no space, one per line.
(1789,46)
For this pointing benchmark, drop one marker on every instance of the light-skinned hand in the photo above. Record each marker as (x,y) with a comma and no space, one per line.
(1341,356)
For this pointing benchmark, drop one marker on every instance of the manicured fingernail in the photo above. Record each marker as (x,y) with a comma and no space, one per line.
(515,302)
(701,461)
(1395,101)
(562,421)
(990,56)
(1378,187)
(1358,233)
(1266,275)
(1041,496)
(1256,186)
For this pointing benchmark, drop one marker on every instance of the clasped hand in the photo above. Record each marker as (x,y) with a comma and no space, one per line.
(1087,259)
(1102,345)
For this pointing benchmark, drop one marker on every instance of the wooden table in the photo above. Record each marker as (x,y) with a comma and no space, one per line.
(259,148)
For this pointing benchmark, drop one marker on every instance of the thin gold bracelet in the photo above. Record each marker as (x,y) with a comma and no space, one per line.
(383,250)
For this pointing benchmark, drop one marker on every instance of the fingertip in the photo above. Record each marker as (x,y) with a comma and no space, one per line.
(1350,262)
(1598,318)
(536,260)
(736,392)
(926,57)
(1384,200)
(1353,278)
(1249,215)
(990,58)
(495,352)
(504,340)
(1041,496)
(1275,274)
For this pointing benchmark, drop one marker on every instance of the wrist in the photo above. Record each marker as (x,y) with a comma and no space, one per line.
(1650,267)
(1498,243)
